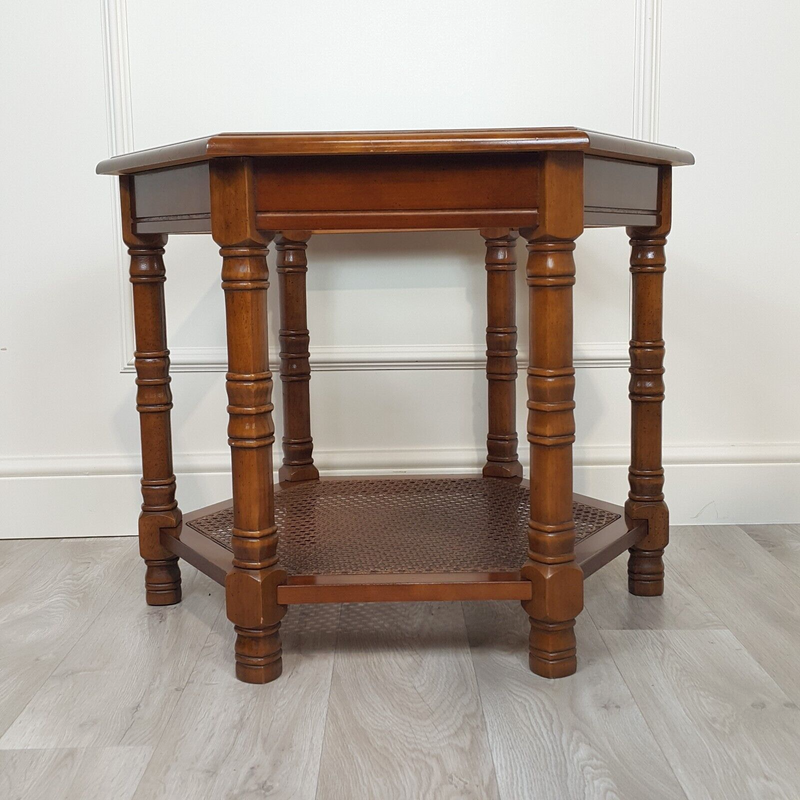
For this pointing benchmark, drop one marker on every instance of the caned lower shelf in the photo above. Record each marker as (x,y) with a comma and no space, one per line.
(401,538)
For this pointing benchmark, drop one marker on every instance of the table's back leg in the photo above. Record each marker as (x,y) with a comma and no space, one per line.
(646,474)
(298,462)
(252,585)
(153,402)
(502,460)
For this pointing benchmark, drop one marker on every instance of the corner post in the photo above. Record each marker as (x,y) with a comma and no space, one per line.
(557,579)
(502,460)
(154,403)
(252,585)
(646,391)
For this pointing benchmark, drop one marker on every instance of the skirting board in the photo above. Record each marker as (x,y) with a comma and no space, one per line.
(99,495)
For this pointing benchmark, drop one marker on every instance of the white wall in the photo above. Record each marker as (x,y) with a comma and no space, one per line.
(396,319)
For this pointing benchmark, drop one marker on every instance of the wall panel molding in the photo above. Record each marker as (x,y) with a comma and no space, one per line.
(357,358)
(647,69)
(376,358)
(119,120)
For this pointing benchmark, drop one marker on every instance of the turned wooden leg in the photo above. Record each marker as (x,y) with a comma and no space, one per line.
(298,464)
(557,579)
(153,402)
(502,460)
(646,474)
(251,586)
(557,591)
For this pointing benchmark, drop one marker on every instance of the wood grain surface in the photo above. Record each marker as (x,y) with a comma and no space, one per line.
(231,739)
(77,773)
(405,718)
(754,594)
(693,694)
(120,683)
(780,541)
(611,609)
(582,736)
(728,730)
(494,140)
(50,593)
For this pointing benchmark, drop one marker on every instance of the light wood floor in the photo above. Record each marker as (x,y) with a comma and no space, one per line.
(693,695)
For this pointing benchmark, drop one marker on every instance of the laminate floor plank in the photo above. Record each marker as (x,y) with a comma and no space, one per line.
(100,694)
(18,556)
(726,727)
(121,681)
(576,738)
(612,607)
(780,541)
(96,773)
(50,593)
(228,739)
(404,718)
(755,596)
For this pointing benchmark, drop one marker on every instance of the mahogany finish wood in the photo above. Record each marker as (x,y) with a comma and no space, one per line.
(384,191)
(154,403)
(251,587)
(339,143)
(646,474)
(501,354)
(298,463)
(548,185)
(557,579)
(209,555)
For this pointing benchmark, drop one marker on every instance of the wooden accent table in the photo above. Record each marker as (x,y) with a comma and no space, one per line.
(489,536)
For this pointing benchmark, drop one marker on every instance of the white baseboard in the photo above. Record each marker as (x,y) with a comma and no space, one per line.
(98,495)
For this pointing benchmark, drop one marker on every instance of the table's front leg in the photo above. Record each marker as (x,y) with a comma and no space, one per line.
(502,460)
(252,585)
(154,403)
(557,580)
(646,474)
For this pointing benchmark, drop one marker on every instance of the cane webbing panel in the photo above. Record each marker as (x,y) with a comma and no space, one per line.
(406,525)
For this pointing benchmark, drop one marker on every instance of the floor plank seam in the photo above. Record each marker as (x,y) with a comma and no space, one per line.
(755,656)
(641,711)
(764,669)
(480,700)
(175,706)
(328,702)
(70,649)
(768,551)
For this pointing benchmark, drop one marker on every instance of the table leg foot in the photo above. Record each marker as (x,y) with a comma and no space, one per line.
(162,581)
(646,572)
(497,470)
(290,474)
(258,654)
(552,649)
(646,559)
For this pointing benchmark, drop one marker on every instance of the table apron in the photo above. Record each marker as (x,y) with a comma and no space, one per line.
(401,192)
